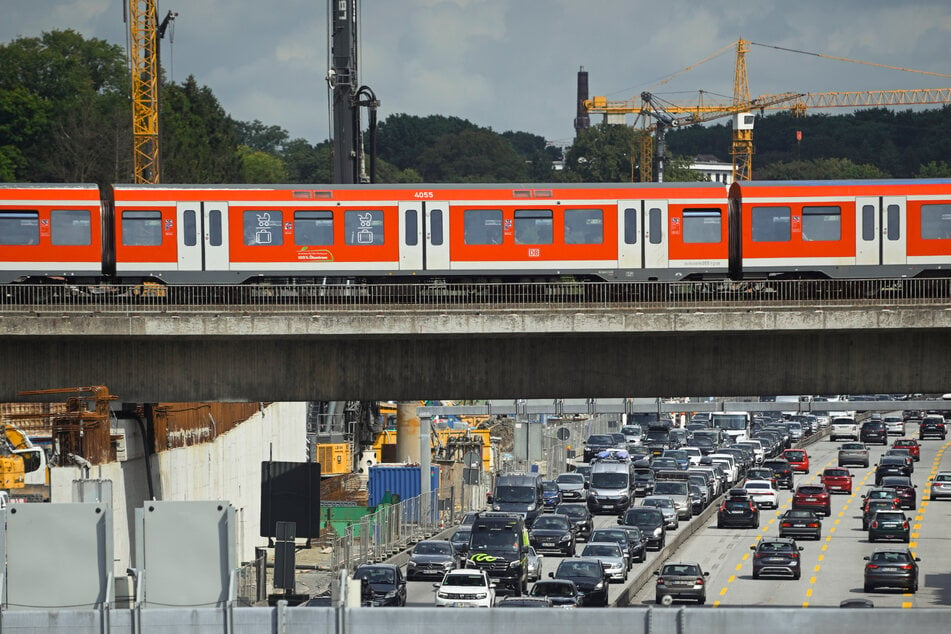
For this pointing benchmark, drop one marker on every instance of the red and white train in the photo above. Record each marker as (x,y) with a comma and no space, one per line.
(232,234)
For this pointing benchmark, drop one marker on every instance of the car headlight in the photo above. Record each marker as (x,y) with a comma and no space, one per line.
(531,507)
(515,564)
(448,565)
(566,537)
(497,508)
(657,531)
(600,586)
(442,595)
(390,595)
(481,595)
(411,564)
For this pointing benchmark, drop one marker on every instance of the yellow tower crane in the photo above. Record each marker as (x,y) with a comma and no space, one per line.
(145,33)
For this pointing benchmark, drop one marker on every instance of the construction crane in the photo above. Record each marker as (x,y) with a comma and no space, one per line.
(672,115)
(145,32)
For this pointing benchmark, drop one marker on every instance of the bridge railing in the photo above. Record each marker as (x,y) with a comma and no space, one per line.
(570,294)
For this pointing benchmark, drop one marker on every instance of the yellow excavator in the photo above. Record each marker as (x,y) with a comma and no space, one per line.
(24,469)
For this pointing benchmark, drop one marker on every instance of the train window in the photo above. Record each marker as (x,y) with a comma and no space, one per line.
(630,226)
(263,228)
(313,228)
(435,227)
(364,227)
(533,226)
(482,226)
(868,223)
(894,222)
(19,227)
(770,224)
(584,226)
(821,224)
(141,228)
(655,225)
(936,221)
(214,229)
(702,226)
(411,224)
(70,226)
(189,228)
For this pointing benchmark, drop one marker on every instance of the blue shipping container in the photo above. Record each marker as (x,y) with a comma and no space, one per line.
(401,480)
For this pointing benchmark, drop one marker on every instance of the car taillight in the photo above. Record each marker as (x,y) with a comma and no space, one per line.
(905,525)
(794,555)
(752,506)
(787,524)
(813,525)
(870,566)
(660,580)
(699,581)
(723,506)
(758,555)
(906,567)
(874,525)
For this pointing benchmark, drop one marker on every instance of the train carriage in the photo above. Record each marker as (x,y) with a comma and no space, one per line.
(841,229)
(50,232)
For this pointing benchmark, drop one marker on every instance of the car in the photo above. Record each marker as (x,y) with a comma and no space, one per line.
(891,466)
(534,565)
(559,592)
(584,470)
(618,536)
(798,459)
(554,532)
(932,426)
(891,568)
(525,602)
(894,424)
(665,463)
(903,453)
(783,472)
(580,516)
(385,583)
(843,427)
(678,580)
(651,522)
(551,495)
(871,507)
(882,493)
(465,587)
(680,456)
(595,444)
(873,431)
(431,558)
(589,576)
(762,473)
(741,512)
(800,523)
(837,480)
(762,493)
(905,489)
(812,496)
(610,556)
(698,497)
(572,486)
(679,490)
(941,485)
(323,600)
(776,556)
(853,453)
(666,505)
(632,434)
(637,543)
(644,481)
(460,541)
(889,524)
(911,445)
(467,520)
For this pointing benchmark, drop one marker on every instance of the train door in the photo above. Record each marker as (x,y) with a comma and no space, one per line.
(411,236)
(629,222)
(894,241)
(437,236)
(868,232)
(202,236)
(655,238)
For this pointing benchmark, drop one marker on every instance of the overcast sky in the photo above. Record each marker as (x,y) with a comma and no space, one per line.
(512,64)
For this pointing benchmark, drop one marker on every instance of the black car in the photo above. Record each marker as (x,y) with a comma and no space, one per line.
(385,584)
(891,466)
(637,543)
(561,592)
(776,556)
(525,602)
(589,576)
(596,443)
(580,517)
(783,472)
(870,507)
(553,532)
(643,482)
(460,541)
(873,431)
(907,497)
(799,523)
(431,559)
(738,512)
(892,568)
(651,522)
(933,426)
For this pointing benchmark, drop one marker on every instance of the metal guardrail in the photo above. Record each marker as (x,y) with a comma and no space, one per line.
(317,298)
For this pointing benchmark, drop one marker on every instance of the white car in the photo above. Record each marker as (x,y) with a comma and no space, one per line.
(762,493)
(894,424)
(465,588)
(694,455)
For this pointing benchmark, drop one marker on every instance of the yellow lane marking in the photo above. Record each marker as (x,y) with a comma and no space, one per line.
(812,580)
(731,579)
(832,530)
(723,591)
(746,556)
(809,592)
(739,567)
(817,568)
(716,604)
(805,604)
(907,604)
(821,557)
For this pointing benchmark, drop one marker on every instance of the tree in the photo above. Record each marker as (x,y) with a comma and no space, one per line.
(935,169)
(306,163)
(261,137)
(402,138)
(819,169)
(602,154)
(260,167)
(471,156)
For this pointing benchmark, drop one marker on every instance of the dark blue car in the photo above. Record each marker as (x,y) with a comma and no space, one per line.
(551,495)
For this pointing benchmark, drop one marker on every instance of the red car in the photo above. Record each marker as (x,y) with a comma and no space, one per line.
(812,496)
(798,459)
(911,445)
(837,480)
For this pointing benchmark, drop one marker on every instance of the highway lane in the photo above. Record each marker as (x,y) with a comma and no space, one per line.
(833,567)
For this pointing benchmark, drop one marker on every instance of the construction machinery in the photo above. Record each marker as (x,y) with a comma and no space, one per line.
(24,467)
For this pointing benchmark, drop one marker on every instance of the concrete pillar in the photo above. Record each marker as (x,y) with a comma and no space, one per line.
(407,432)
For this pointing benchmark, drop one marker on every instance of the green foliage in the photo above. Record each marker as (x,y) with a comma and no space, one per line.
(818,169)
(261,137)
(678,170)
(602,154)
(471,156)
(935,169)
(402,138)
(260,167)
(306,163)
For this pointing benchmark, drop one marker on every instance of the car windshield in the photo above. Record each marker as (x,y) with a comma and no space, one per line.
(796,455)
(570,478)
(763,486)
(579,569)
(495,540)
(808,490)
(600,550)
(737,504)
(897,481)
(452,579)
(609,480)
(658,502)
(680,570)
(600,441)
(549,487)
(547,589)
(853,445)
(375,575)
(943,477)
(514,494)
(801,514)
(775,547)
(730,421)
(460,537)
(836,473)
(571,511)
(430,548)
(551,521)
(609,536)
(671,488)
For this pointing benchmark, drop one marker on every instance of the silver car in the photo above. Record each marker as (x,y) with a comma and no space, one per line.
(534,565)
(666,505)
(681,580)
(611,558)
